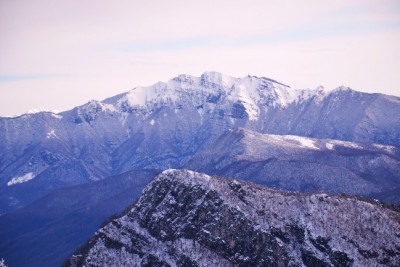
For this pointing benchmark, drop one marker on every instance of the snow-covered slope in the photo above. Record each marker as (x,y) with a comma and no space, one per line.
(303,164)
(190,219)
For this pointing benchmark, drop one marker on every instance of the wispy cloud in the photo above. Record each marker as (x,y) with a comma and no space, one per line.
(165,45)
(4,78)
(301,33)
(319,31)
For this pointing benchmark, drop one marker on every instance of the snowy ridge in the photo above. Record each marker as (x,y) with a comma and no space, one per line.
(250,91)
(183,215)
(301,142)
(297,163)
(33,111)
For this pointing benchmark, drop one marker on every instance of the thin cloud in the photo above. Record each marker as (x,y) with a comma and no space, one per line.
(26,77)
(165,45)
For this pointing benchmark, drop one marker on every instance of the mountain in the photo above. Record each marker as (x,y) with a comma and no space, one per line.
(304,164)
(165,125)
(185,218)
(49,229)
(180,123)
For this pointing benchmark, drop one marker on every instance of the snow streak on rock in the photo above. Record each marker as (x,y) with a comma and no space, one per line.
(21,179)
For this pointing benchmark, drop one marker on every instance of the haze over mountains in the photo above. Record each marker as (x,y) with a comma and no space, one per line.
(257,129)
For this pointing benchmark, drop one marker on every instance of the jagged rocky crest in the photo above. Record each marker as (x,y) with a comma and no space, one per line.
(186,218)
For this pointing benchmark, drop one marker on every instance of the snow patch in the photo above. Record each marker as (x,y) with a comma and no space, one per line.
(329,146)
(388,149)
(21,179)
(57,116)
(152,122)
(38,110)
(304,142)
(51,134)
(248,96)
(123,118)
(108,107)
(347,144)
(143,96)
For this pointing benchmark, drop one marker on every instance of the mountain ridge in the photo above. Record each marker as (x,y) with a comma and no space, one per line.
(135,131)
(216,76)
(185,218)
(302,164)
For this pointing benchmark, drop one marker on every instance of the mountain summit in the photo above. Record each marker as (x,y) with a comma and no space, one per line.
(213,88)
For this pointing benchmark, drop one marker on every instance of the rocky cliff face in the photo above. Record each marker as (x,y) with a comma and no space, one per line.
(190,219)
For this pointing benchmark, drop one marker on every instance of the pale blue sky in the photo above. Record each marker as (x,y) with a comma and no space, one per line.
(58,54)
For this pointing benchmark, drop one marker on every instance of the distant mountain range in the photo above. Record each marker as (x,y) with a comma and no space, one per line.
(251,128)
(164,125)
(190,219)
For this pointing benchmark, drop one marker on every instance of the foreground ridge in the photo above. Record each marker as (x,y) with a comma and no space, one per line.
(186,218)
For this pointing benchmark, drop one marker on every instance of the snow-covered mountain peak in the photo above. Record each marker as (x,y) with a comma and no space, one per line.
(342,88)
(217,78)
(251,96)
(211,88)
(319,90)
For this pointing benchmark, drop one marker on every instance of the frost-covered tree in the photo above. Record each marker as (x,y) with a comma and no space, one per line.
(2,263)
